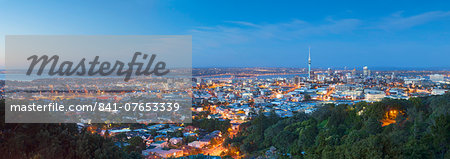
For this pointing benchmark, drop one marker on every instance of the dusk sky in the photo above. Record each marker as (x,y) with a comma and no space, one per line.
(257,33)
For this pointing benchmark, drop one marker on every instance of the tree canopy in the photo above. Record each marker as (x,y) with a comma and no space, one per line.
(414,128)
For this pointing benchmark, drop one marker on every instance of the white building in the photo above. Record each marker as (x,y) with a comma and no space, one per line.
(437,78)
(438,91)
(176,140)
(163,153)
(374,95)
(198,144)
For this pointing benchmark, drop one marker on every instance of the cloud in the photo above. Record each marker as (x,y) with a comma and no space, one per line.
(243,23)
(239,32)
(397,21)
(229,34)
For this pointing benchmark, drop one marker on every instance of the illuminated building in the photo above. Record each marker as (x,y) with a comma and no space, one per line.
(296,80)
(366,71)
(437,77)
(374,95)
(309,64)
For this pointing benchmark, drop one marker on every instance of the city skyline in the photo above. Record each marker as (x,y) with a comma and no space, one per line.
(224,79)
(266,34)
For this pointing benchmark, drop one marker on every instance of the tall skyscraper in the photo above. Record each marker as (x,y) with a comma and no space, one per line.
(296,80)
(366,71)
(309,63)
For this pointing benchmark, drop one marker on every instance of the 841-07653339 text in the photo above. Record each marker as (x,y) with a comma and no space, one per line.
(98,106)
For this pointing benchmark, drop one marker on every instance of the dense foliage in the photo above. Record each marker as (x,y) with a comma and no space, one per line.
(57,141)
(210,125)
(421,130)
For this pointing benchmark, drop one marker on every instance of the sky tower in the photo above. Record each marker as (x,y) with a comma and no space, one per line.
(309,63)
